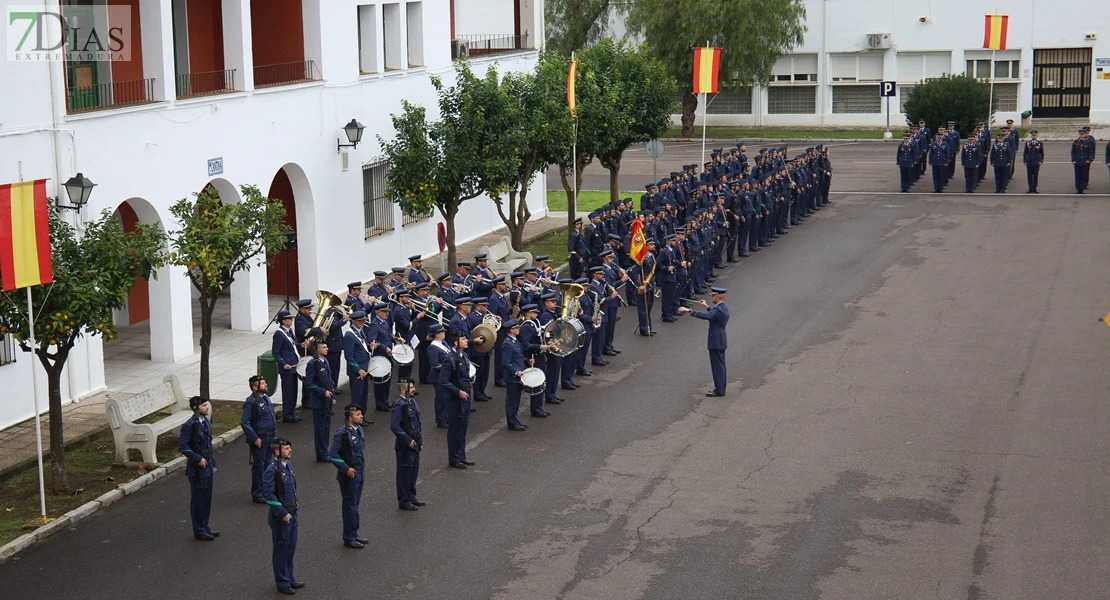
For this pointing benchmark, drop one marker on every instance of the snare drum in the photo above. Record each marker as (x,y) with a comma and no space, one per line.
(533,381)
(403,354)
(380,369)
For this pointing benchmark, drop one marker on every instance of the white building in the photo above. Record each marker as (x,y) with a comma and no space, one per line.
(1057,62)
(223,93)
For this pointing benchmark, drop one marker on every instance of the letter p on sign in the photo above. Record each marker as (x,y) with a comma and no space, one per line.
(886,89)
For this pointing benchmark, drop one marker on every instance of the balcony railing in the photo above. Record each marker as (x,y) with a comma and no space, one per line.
(110,95)
(284,73)
(480,44)
(190,85)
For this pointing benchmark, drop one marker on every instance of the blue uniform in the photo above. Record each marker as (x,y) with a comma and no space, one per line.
(531,339)
(499,305)
(512,362)
(346,453)
(553,365)
(335,344)
(454,378)
(356,353)
(1001,160)
(1081,156)
(969,158)
(479,358)
(318,381)
(285,353)
(717,343)
(907,160)
(379,330)
(258,423)
(404,422)
(279,488)
(195,442)
(1033,156)
(640,273)
(938,160)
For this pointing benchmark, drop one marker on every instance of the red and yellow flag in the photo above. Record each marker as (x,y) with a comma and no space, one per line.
(24,235)
(994,34)
(571,76)
(637,243)
(707,62)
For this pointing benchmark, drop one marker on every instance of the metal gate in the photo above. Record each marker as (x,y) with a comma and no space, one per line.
(1062,83)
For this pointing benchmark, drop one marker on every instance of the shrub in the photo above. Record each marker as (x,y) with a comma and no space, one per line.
(956,98)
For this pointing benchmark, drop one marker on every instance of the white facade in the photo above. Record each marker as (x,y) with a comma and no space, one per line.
(152,154)
(832,79)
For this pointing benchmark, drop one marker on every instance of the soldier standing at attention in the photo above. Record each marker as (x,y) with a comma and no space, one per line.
(321,390)
(906,159)
(969,158)
(286,353)
(1033,157)
(718,337)
(1081,158)
(454,378)
(279,487)
(938,160)
(347,456)
(195,442)
(259,426)
(404,422)
(1001,160)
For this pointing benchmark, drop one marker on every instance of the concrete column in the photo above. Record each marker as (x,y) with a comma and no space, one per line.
(237,42)
(249,303)
(157,27)
(171,315)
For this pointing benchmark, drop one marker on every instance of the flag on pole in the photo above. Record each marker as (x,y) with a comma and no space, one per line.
(707,62)
(994,34)
(24,235)
(637,243)
(571,76)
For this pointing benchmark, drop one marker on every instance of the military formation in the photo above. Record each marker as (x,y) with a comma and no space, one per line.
(922,150)
(531,332)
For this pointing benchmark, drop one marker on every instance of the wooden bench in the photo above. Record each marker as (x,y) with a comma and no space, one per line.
(123,414)
(503,259)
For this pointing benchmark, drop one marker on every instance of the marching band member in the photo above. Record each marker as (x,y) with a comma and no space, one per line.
(531,343)
(475,318)
(512,365)
(500,305)
(284,349)
(380,336)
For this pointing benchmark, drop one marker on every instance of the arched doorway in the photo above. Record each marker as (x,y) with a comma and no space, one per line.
(137,309)
(293,272)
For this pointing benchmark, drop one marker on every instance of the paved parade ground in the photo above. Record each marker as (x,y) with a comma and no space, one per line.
(916,409)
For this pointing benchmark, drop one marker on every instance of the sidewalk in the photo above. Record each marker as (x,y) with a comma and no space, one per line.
(129,370)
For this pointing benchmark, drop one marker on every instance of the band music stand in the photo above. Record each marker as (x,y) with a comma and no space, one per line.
(290,245)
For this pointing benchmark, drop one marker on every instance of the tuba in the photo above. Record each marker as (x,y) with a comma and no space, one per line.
(325,302)
(566,334)
(571,293)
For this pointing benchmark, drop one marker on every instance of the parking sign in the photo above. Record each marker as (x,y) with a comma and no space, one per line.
(886,89)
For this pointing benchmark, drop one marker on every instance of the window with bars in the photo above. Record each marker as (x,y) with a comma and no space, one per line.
(377,210)
(1006,97)
(731,103)
(791,100)
(8,350)
(904,92)
(856,99)
(408,218)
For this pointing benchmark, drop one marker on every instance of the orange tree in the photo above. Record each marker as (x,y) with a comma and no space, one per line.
(93,271)
(215,241)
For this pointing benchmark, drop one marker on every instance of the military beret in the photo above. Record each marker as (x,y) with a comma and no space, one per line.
(304,302)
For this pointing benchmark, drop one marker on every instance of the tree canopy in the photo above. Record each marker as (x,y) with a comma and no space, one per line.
(215,241)
(94,269)
(956,98)
(574,24)
(752,35)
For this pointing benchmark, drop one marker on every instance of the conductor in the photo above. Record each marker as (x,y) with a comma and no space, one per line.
(718,337)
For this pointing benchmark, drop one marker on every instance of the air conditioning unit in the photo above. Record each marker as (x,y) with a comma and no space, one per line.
(460,49)
(878,41)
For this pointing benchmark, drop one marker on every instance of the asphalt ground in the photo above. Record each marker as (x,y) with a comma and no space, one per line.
(916,409)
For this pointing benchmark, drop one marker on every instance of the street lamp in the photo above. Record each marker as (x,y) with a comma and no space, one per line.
(354,135)
(78,188)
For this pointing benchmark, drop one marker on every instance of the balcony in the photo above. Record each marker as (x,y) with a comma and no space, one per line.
(284,73)
(482,44)
(112,94)
(191,85)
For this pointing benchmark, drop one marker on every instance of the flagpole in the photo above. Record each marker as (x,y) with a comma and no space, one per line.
(573,157)
(990,100)
(35,394)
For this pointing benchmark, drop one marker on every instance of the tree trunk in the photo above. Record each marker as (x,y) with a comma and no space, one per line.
(689,109)
(207,307)
(523,215)
(512,221)
(614,168)
(452,254)
(58,481)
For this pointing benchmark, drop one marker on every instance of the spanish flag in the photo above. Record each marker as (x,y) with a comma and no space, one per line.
(707,61)
(24,235)
(637,243)
(994,34)
(571,76)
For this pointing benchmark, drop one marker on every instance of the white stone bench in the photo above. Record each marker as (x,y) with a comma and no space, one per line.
(122,414)
(503,259)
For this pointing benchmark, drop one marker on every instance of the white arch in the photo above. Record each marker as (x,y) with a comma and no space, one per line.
(304,204)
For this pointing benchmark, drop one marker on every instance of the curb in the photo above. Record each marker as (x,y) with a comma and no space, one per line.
(21,543)
(711,141)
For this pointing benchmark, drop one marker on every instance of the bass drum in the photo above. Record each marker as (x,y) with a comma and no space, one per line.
(564,335)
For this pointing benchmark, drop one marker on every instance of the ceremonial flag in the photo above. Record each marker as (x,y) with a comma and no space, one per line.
(638,244)
(24,235)
(571,75)
(994,34)
(707,62)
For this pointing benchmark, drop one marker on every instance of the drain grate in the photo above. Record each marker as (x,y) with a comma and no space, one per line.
(1057,209)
